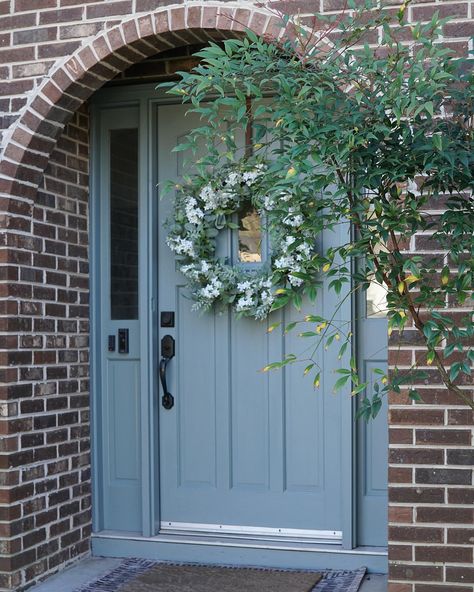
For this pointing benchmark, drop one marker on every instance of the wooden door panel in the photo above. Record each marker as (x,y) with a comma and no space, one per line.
(253,449)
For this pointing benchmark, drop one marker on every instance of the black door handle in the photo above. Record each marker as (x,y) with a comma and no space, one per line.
(167,353)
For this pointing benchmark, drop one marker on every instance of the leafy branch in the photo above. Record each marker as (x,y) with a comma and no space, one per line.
(380,137)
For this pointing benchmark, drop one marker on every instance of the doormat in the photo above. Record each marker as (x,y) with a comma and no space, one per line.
(142,575)
(198,578)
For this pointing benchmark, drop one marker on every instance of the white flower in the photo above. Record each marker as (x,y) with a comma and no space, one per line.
(267,297)
(268,202)
(189,270)
(284,262)
(249,177)
(205,267)
(213,199)
(209,197)
(266,283)
(244,302)
(295,281)
(223,198)
(304,249)
(294,221)
(206,192)
(244,286)
(181,246)
(212,290)
(289,240)
(193,213)
(232,179)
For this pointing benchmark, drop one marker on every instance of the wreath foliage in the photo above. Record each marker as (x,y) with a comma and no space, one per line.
(208,205)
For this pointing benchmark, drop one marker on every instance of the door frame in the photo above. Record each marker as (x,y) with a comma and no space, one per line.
(147,304)
(147,98)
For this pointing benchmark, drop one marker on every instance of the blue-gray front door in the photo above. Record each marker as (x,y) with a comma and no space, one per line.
(241,453)
(242,450)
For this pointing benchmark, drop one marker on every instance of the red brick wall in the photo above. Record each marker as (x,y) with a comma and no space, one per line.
(45,511)
(431,460)
(44,464)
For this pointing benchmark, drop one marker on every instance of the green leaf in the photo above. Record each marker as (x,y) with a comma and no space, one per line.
(359,388)
(280,302)
(272,366)
(414,395)
(429,108)
(317,380)
(182,147)
(314,319)
(454,371)
(376,406)
(297,301)
(340,382)
(438,141)
(342,350)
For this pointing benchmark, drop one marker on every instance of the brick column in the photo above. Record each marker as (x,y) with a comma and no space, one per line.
(45,511)
(431,460)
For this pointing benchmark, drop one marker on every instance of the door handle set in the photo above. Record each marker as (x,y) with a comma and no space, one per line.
(167,353)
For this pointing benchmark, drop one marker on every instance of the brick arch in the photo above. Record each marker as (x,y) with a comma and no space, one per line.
(75,79)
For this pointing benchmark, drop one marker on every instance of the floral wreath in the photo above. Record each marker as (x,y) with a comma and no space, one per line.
(208,205)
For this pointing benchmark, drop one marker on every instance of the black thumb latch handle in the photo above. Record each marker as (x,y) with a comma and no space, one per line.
(167,352)
(167,400)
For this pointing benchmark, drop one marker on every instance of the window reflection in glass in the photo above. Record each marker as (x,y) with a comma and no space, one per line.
(249,235)
(124,224)
(376,300)
(376,296)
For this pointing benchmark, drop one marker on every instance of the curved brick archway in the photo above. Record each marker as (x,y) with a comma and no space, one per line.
(33,137)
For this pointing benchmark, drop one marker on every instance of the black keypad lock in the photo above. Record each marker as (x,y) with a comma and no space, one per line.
(123,346)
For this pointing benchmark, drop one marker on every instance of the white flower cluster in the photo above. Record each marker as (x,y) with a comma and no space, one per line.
(249,177)
(294,218)
(255,296)
(212,290)
(195,271)
(181,246)
(292,259)
(213,199)
(194,214)
(273,202)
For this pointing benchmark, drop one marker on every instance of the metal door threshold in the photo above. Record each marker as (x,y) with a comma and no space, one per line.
(259,533)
